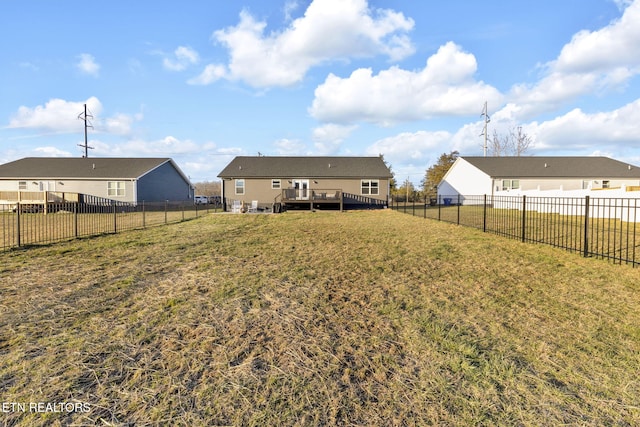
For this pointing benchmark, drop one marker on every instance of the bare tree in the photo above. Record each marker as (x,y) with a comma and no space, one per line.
(521,140)
(515,143)
(498,145)
(207,188)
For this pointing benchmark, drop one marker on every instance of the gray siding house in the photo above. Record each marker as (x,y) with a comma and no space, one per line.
(305,182)
(131,180)
(519,175)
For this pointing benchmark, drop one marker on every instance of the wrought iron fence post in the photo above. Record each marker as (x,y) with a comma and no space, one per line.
(413,213)
(115,218)
(18,209)
(424,213)
(484,215)
(458,204)
(144,216)
(439,205)
(166,205)
(524,216)
(585,250)
(75,218)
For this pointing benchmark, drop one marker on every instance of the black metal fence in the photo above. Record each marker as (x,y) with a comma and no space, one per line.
(28,224)
(594,227)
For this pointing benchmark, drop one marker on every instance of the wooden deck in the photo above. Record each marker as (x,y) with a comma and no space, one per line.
(312,199)
(327,199)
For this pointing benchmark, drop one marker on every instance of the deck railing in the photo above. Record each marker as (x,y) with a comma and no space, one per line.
(316,194)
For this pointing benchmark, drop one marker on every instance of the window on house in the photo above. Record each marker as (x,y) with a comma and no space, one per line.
(510,184)
(605,184)
(239,186)
(275,184)
(115,188)
(22,185)
(370,187)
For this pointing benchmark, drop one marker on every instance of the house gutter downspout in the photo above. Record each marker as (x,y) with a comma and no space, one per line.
(135,191)
(224,199)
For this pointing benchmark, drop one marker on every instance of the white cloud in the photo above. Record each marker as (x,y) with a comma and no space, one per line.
(413,146)
(579,130)
(231,151)
(329,30)
(290,147)
(444,87)
(56,115)
(592,61)
(168,146)
(210,74)
(184,57)
(289,7)
(51,152)
(61,116)
(614,46)
(119,124)
(88,65)
(328,138)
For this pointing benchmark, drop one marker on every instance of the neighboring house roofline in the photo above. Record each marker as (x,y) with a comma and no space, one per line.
(336,167)
(185,177)
(548,167)
(87,169)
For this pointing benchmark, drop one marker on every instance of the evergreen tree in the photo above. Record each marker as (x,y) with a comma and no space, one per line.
(436,172)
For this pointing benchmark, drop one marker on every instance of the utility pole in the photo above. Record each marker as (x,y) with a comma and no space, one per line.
(487,119)
(87,124)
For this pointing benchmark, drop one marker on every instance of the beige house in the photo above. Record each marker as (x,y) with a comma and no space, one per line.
(264,183)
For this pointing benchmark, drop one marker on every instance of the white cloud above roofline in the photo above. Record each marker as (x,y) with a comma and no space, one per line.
(444,87)
(329,30)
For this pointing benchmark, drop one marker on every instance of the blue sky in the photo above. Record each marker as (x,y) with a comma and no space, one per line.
(204,81)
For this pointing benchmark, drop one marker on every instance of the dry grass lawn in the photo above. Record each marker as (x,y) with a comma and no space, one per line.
(327,318)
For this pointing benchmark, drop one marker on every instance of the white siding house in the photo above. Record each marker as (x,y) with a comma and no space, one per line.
(495,176)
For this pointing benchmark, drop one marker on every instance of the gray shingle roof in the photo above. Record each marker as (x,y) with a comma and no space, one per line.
(306,167)
(554,167)
(81,168)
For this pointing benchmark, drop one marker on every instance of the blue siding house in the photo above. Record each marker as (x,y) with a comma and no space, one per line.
(131,180)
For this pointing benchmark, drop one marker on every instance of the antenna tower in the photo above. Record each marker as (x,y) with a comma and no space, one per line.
(87,124)
(487,119)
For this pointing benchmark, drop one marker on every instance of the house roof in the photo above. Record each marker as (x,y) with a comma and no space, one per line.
(83,168)
(306,167)
(554,167)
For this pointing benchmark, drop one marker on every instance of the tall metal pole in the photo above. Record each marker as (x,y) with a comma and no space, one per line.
(485,113)
(87,124)
(86,145)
